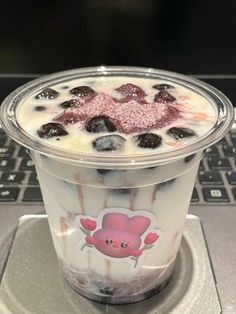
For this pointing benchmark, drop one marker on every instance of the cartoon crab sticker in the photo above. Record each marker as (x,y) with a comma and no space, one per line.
(119,235)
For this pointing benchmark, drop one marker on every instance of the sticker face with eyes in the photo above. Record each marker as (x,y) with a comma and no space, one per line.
(116,243)
(119,235)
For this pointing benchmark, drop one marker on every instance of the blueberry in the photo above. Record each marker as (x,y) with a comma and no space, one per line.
(164,97)
(109,143)
(47,93)
(83,91)
(162,86)
(107,290)
(103,171)
(40,108)
(153,291)
(130,91)
(51,129)
(189,158)
(179,133)
(148,140)
(69,104)
(122,191)
(100,124)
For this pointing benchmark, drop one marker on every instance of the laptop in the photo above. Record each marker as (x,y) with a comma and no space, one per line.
(213,198)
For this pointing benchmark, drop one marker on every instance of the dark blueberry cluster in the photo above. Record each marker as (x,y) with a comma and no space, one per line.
(100,124)
(148,140)
(179,132)
(109,143)
(164,97)
(69,104)
(82,91)
(47,93)
(103,123)
(40,108)
(162,86)
(51,129)
(131,92)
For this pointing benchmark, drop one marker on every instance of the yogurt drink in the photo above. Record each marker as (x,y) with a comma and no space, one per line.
(116,151)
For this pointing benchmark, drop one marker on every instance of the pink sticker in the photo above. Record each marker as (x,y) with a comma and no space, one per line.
(119,233)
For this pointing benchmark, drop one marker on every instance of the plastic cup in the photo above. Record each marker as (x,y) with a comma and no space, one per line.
(116,222)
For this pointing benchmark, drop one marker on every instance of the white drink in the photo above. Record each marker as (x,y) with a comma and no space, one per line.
(117,158)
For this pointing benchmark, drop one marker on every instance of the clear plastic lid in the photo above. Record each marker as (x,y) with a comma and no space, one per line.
(223,108)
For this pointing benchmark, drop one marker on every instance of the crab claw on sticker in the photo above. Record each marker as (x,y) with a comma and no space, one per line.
(90,240)
(88,224)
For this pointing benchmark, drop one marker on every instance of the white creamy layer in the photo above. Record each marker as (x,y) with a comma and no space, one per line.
(169,205)
(198,114)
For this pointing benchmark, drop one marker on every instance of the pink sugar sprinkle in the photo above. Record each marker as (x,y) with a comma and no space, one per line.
(129,117)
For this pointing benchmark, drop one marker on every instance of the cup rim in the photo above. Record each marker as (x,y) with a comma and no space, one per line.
(221,103)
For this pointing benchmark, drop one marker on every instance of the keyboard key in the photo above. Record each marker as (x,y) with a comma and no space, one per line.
(12,177)
(27,164)
(7,163)
(215,195)
(194,198)
(229,151)
(210,178)
(33,179)
(216,163)
(23,152)
(9,194)
(234,193)
(32,194)
(231,176)
(212,151)
(7,151)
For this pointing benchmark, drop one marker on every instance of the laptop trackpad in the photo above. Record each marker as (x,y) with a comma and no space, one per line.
(32,281)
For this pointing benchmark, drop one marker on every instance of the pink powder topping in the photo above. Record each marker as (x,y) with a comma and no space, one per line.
(129,116)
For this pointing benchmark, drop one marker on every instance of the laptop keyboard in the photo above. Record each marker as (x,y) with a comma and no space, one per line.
(216,181)
(18,179)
